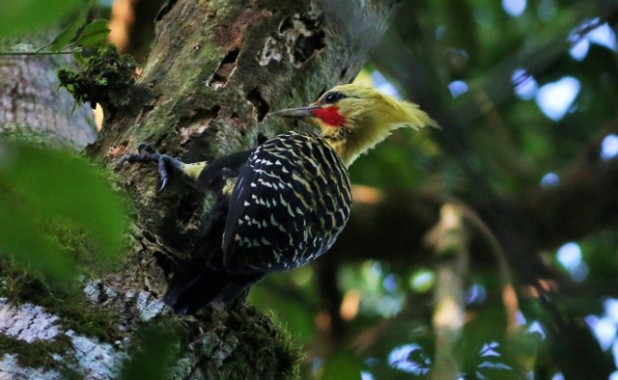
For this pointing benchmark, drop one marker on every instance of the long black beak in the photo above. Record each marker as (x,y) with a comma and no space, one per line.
(296,113)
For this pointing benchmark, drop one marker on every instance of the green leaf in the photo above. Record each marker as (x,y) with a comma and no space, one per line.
(27,246)
(71,32)
(47,192)
(19,17)
(94,35)
(79,58)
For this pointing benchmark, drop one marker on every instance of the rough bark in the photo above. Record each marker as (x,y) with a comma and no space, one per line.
(215,70)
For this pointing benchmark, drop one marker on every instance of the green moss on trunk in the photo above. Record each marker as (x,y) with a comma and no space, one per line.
(66,302)
(45,355)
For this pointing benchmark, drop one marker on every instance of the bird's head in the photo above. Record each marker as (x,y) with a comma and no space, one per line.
(354,118)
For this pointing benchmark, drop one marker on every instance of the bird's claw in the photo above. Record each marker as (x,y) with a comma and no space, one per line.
(163,172)
(147,153)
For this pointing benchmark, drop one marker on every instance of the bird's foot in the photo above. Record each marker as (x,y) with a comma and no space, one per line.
(147,153)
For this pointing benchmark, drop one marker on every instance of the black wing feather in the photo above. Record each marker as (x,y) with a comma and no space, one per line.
(282,210)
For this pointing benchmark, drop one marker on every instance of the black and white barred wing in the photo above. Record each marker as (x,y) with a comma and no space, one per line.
(290,202)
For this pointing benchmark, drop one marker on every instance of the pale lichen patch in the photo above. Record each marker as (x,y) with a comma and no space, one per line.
(27,322)
(10,369)
(148,306)
(96,360)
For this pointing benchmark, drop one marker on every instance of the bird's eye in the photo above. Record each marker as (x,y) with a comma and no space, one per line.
(332,97)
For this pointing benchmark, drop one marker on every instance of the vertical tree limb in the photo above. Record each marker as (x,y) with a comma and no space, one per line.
(449,239)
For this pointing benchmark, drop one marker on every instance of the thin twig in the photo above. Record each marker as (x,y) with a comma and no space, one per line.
(16,53)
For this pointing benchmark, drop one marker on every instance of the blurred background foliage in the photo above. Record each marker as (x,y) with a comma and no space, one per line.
(525,92)
(50,226)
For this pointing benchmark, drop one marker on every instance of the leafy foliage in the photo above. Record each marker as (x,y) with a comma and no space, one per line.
(105,77)
(57,212)
(24,16)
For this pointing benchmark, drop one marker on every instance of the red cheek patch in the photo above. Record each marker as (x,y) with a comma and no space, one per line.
(330,116)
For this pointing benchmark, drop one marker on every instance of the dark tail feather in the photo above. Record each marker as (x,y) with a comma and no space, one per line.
(194,286)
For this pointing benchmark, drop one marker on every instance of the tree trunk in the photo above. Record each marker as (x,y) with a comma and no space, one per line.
(215,70)
(31,105)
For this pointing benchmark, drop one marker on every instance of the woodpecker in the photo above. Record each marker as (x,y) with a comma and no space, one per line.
(283,203)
